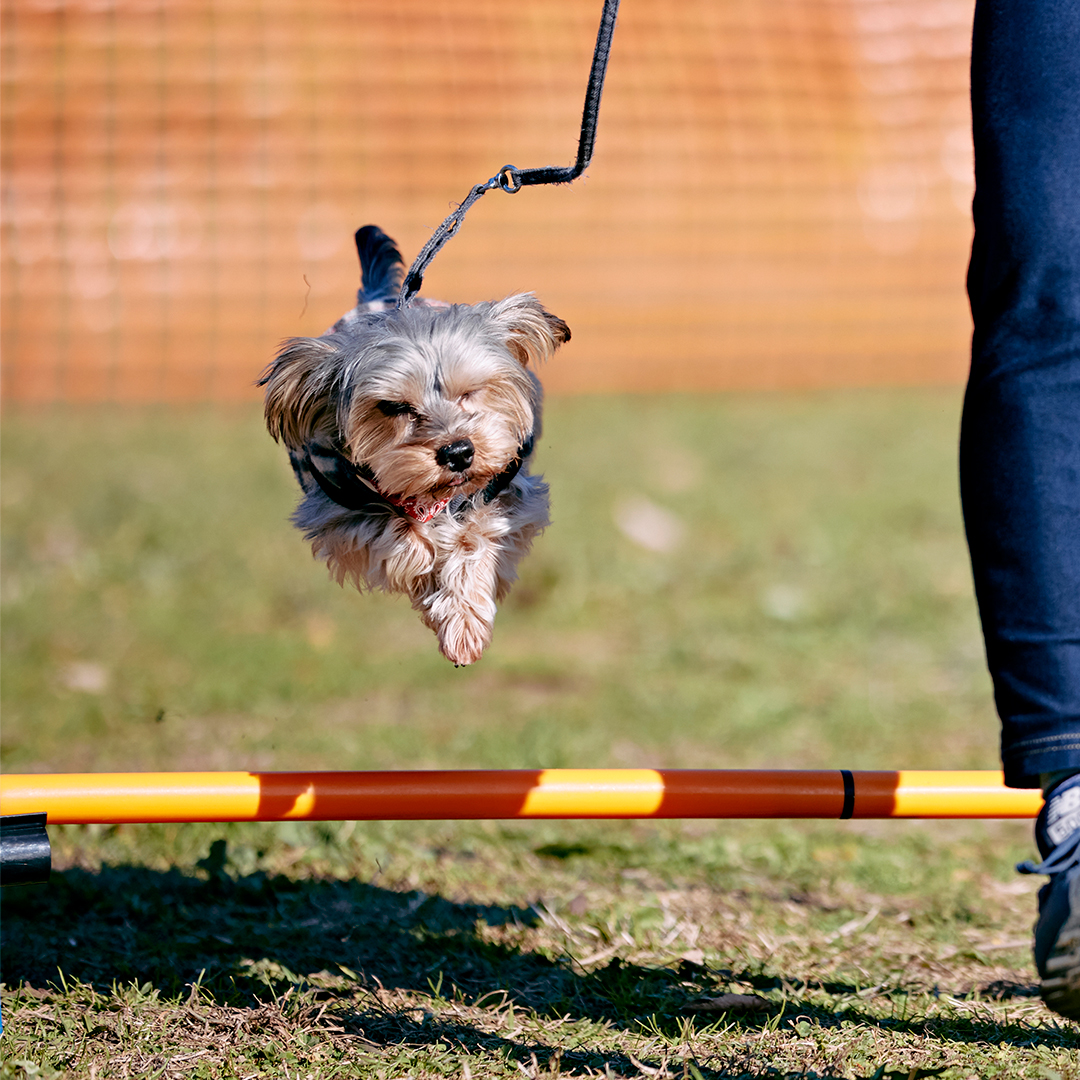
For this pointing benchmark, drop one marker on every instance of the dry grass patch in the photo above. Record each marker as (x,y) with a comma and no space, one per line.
(559,950)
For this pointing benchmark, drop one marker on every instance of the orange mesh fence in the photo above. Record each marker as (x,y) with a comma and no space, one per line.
(779,195)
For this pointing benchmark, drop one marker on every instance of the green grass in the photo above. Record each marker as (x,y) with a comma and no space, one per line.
(159,612)
(154,547)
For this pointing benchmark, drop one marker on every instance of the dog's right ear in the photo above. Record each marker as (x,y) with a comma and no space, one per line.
(532,333)
(298,389)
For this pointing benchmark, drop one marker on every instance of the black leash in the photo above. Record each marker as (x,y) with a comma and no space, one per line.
(511,179)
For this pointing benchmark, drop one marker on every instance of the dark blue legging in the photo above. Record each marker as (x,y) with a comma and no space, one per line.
(1020,436)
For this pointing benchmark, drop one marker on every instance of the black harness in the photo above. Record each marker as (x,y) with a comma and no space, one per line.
(321,467)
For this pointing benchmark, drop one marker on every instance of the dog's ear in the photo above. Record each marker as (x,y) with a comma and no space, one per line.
(532,333)
(298,385)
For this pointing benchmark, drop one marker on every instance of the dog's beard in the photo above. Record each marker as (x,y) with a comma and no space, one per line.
(412,471)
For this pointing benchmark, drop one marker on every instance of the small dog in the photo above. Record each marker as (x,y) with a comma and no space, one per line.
(410,432)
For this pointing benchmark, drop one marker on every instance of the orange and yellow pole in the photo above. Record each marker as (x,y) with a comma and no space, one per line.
(114,798)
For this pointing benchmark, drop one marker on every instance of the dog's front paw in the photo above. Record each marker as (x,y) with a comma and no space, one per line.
(463,637)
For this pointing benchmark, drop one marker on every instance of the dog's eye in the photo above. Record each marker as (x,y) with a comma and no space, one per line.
(396,408)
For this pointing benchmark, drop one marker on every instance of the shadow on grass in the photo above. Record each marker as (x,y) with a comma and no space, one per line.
(248,940)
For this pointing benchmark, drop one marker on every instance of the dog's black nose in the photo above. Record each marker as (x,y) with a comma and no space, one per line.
(457,455)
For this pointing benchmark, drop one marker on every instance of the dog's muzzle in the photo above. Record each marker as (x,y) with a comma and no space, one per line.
(354,486)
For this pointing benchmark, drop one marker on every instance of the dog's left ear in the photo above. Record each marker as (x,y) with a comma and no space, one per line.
(532,332)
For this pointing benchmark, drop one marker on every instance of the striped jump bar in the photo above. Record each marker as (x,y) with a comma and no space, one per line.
(117,798)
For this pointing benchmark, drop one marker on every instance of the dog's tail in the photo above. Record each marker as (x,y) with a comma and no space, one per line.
(382,269)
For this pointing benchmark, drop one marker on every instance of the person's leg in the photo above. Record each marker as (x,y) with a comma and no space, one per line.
(1020,435)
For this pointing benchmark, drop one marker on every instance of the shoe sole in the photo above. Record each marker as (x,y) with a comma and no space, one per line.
(1061,984)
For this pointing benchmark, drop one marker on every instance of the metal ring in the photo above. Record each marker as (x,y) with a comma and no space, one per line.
(509,179)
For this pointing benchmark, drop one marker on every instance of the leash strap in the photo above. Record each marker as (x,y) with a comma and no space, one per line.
(512,179)
(319,466)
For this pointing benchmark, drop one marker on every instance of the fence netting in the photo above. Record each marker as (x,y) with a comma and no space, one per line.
(780,194)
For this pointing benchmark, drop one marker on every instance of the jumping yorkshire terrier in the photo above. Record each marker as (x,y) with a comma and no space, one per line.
(410,432)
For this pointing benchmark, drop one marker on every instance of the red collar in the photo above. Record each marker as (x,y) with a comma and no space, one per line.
(415,507)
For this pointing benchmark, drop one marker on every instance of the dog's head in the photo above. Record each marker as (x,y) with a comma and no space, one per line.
(431,401)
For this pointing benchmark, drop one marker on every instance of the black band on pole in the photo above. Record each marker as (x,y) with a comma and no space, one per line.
(511,179)
(849,794)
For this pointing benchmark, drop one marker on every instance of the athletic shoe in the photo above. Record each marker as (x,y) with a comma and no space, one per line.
(1057,931)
